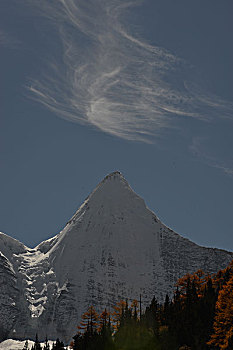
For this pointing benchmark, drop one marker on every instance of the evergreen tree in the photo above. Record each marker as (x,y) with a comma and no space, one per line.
(76,340)
(36,345)
(105,339)
(151,316)
(46,345)
(25,345)
(134,307)
(58,345)
(166,310)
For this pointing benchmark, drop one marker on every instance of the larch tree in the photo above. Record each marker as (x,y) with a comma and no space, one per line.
(90,321)
(223,322)
(104,321)
(118,311)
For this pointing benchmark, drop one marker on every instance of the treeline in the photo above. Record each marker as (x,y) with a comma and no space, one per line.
(198,317)
(57,345)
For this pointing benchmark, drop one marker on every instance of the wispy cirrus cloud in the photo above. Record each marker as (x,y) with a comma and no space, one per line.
(115,81)
(199,147)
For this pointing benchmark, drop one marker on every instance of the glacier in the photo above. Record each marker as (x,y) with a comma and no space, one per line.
(113,248)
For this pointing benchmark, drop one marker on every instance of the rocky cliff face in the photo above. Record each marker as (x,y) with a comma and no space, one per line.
(113,247)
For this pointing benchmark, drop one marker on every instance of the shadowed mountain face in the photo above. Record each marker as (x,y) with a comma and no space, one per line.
(113,247)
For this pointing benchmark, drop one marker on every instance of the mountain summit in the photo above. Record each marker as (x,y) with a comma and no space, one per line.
(112,248)
(115,192)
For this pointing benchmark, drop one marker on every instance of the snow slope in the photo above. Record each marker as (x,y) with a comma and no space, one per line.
(11,344)
(113,247)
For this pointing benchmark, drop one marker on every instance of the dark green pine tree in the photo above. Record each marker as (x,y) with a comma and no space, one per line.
(36,345)
(127,313)
(26,345)
(188,315)
(151,316)
(77,338)
(105,339)
(46,345)
(166,310)
(206,312)
(59,345)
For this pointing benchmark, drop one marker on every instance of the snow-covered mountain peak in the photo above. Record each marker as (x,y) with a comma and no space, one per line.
(108,214)
(112,197)
(111,182)
(114,193)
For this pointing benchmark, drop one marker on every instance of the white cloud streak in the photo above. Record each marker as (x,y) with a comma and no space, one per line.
(114,81)
(199,147)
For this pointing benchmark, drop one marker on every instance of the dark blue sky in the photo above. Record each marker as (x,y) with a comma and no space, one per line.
(147,91)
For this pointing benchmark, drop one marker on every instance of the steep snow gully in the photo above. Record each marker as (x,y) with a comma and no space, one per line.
(113,247)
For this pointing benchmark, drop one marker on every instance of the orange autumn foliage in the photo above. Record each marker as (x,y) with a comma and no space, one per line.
(104,319)
(199,278)
(223,323)
(89,320)
(117,313)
